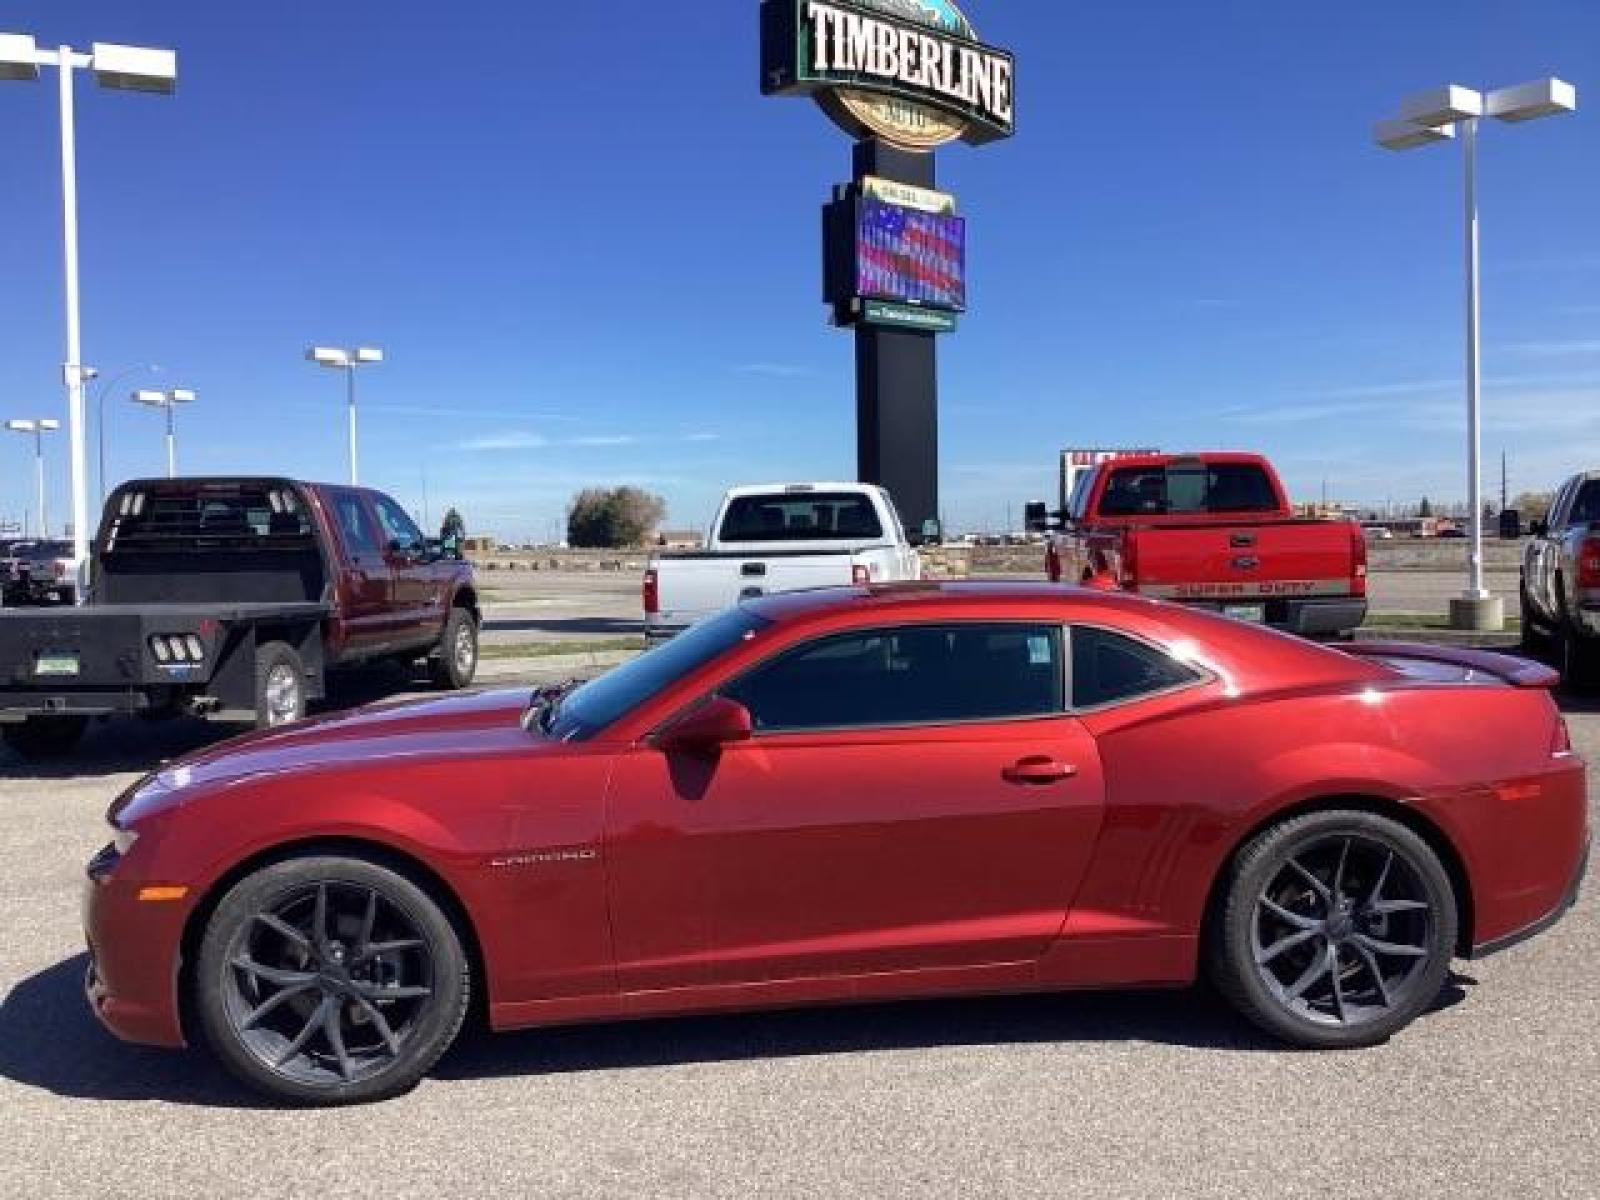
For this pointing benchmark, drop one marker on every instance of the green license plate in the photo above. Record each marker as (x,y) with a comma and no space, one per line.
(1246,612)
(56,664)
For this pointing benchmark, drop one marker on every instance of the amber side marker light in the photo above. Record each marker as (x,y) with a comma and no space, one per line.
(156,895)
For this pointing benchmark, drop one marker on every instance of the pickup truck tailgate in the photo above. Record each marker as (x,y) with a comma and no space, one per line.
(1278,559)
(693,586)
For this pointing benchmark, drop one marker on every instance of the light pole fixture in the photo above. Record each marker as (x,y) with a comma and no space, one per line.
(1435,116)
(338,358)
(167,401)
(122,68)
(36,429)
(106,388)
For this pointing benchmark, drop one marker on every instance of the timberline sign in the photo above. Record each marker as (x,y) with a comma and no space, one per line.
(909,72)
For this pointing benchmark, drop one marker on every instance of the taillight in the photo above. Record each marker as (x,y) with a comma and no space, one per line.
(1358,545)
(860,576)
(1052,563)
(1561,741)
(1589,563)
(652,592)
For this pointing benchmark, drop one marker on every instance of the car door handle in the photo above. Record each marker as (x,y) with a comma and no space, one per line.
(1038,771)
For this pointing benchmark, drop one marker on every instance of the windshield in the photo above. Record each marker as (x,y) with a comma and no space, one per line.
(605,700)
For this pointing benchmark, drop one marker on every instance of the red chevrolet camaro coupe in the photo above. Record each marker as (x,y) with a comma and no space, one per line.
(845,796)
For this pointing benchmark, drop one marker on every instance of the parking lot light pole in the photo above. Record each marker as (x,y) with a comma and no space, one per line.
(340,359)
(100,412)
(36,429)
(167,401)
(124,68)
(1432,117)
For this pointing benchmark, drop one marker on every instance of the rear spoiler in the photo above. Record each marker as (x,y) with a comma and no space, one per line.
(1518,672)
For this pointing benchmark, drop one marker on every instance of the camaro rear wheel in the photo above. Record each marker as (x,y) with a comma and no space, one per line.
(330,981)
(1337,930)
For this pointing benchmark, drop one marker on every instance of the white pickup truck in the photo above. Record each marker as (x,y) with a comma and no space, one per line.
(780,537)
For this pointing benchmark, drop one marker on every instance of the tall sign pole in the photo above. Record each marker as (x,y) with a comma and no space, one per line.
(902,77)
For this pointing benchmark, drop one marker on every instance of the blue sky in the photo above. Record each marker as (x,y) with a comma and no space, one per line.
(590,248)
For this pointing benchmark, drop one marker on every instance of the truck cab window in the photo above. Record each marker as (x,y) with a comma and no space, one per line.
(800,517)
(397,524)
(355,526)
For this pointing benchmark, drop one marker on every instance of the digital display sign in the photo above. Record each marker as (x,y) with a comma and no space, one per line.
(910,257)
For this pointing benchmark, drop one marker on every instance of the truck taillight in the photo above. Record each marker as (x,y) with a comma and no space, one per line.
(860,576)
(1128,563)
(1589,563)
(652,592)
(1561,742)
(1052,563)
(1358,546)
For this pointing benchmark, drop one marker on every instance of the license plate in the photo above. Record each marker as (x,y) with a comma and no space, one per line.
(1246,612)
(56,664)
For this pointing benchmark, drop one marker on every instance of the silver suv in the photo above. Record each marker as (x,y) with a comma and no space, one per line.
(1561,581)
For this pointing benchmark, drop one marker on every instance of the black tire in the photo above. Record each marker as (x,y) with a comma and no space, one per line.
(1580,662)
(394,985)
(39,739)
(1323,975)
(1534,639)
(280,685)
(454,663)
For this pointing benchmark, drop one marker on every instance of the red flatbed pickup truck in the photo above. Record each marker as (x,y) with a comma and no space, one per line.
(230,598)
(1214,530)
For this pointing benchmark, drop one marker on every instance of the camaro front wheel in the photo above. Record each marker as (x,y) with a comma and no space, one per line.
(330,981)
(1336,930)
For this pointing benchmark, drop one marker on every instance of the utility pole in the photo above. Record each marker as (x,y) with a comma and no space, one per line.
(1505,497)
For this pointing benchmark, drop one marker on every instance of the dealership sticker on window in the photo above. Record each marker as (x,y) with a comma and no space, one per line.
(1038,651)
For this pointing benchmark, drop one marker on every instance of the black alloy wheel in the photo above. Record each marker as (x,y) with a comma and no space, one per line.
(1337,931)
(326,981)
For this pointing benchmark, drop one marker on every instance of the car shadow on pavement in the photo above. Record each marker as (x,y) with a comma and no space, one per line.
(130,744)
(50,1040)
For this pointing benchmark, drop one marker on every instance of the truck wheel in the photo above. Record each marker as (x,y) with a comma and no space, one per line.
(280,686)
(1533,638)
(455,662)
(40,738)
(1578,661)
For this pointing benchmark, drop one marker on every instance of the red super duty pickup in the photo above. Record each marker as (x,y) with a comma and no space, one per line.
(1214,530)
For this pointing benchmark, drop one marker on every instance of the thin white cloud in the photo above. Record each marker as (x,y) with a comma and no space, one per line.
(702,437)
(506,441)
(603,439)
(1575,348)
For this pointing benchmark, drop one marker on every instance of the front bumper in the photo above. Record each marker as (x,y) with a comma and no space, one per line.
(134,953)
(1533,930)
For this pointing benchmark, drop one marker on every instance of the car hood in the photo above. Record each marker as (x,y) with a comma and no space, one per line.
(383,733)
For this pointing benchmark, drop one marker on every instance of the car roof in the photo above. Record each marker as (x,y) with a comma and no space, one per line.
(1191,456)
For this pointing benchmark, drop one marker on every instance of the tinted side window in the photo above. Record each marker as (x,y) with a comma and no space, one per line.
(355,526)
(1108,668)
(917,675)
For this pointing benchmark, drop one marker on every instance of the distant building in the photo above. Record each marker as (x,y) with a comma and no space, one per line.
(478,545)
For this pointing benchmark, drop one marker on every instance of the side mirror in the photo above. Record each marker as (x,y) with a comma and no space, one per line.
(716,723)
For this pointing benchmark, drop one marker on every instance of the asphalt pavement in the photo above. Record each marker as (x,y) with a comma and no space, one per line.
(1497,1092)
